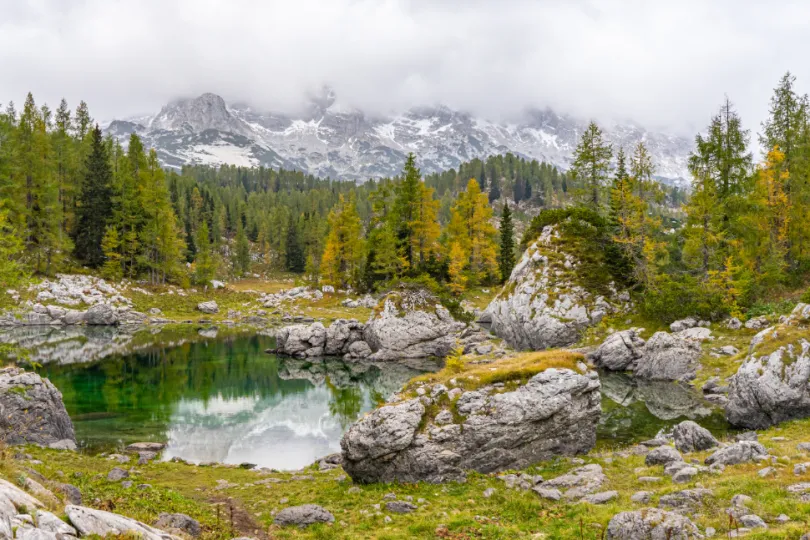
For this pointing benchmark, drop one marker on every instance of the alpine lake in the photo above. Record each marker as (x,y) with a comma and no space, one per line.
(214,394)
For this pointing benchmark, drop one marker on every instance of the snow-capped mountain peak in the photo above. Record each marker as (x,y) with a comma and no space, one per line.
(330,139)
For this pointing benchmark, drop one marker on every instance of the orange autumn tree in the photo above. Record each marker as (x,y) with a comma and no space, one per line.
(472,231)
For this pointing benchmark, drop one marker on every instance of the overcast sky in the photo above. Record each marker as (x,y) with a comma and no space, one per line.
(664,64)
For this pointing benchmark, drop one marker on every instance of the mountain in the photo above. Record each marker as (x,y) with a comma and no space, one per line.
(327,139)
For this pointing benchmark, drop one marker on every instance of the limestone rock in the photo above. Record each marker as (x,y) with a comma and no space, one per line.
(541,305)
(180,522)
(89,521)
(690,437)
(668,357)
(620,351)
(577,483)
(653,524)
(210,307)
(663,455)
(739,452)
(411,324)
(554,413)
(303,516)
(31,410)
(101,315)
(771,386)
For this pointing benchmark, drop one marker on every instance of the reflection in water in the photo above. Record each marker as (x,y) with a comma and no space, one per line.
(222,400)
(634,409)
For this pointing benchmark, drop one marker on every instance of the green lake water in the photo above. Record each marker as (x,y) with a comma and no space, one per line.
(215,397)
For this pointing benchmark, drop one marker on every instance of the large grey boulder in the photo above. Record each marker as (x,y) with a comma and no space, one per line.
(668,357)
(773,383)
(691,437)
(620,351)
(411,324)
(555,413)
(542,306)
(304,515)
(302,340)
(31,410)
(89,521)
(101,315)
(651,524)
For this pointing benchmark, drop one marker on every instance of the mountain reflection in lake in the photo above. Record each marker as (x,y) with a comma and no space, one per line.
(215,395)
(222,400)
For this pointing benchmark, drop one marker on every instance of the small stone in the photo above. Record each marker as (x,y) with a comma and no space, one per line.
(766,472)
(642,497)
(354,489)
(390,497)
(126,484)
(740,500)
(752,521)
(180,522)
(663,455)
(117,474)
(684,475)
(801,468)
(283,500)
(600,498)
(387,519)
(550,494)
(303,515)
(489,492)
(400,507)
(803,447)
(710,532)
(782,518)
(649,479)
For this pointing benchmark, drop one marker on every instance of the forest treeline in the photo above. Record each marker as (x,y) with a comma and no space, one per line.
(746,231)
(73,199)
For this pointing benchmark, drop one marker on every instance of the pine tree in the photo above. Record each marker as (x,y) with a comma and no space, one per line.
(94,210)
(295,258)
(11,250)
(204,265)
(241,262)
(506,259)
(407,200)
(591,165)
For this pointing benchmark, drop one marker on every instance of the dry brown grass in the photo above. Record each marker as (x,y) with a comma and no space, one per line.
(520,367)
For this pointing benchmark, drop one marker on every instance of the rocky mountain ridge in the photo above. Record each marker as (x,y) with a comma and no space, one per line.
(328,139)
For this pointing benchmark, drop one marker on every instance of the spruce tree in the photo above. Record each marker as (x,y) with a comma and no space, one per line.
(591,165)
(204,265)
(295,261)
(94,210)
(506,257)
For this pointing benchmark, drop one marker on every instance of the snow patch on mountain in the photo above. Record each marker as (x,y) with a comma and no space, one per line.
(332,139)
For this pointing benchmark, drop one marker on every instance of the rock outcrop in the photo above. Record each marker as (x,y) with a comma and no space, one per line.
(620,351)
(32,412)
(691,437)
(773,383)
(544,305)
(409,324)
(554,413)
(668,357)
(89,521)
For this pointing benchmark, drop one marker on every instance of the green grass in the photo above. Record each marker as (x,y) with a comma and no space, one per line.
(452,510)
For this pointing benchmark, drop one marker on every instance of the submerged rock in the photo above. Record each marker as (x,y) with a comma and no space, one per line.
(32,411)
(554,413)
(773,383)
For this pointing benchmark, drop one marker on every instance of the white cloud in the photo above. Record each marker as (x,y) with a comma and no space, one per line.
(661,64)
